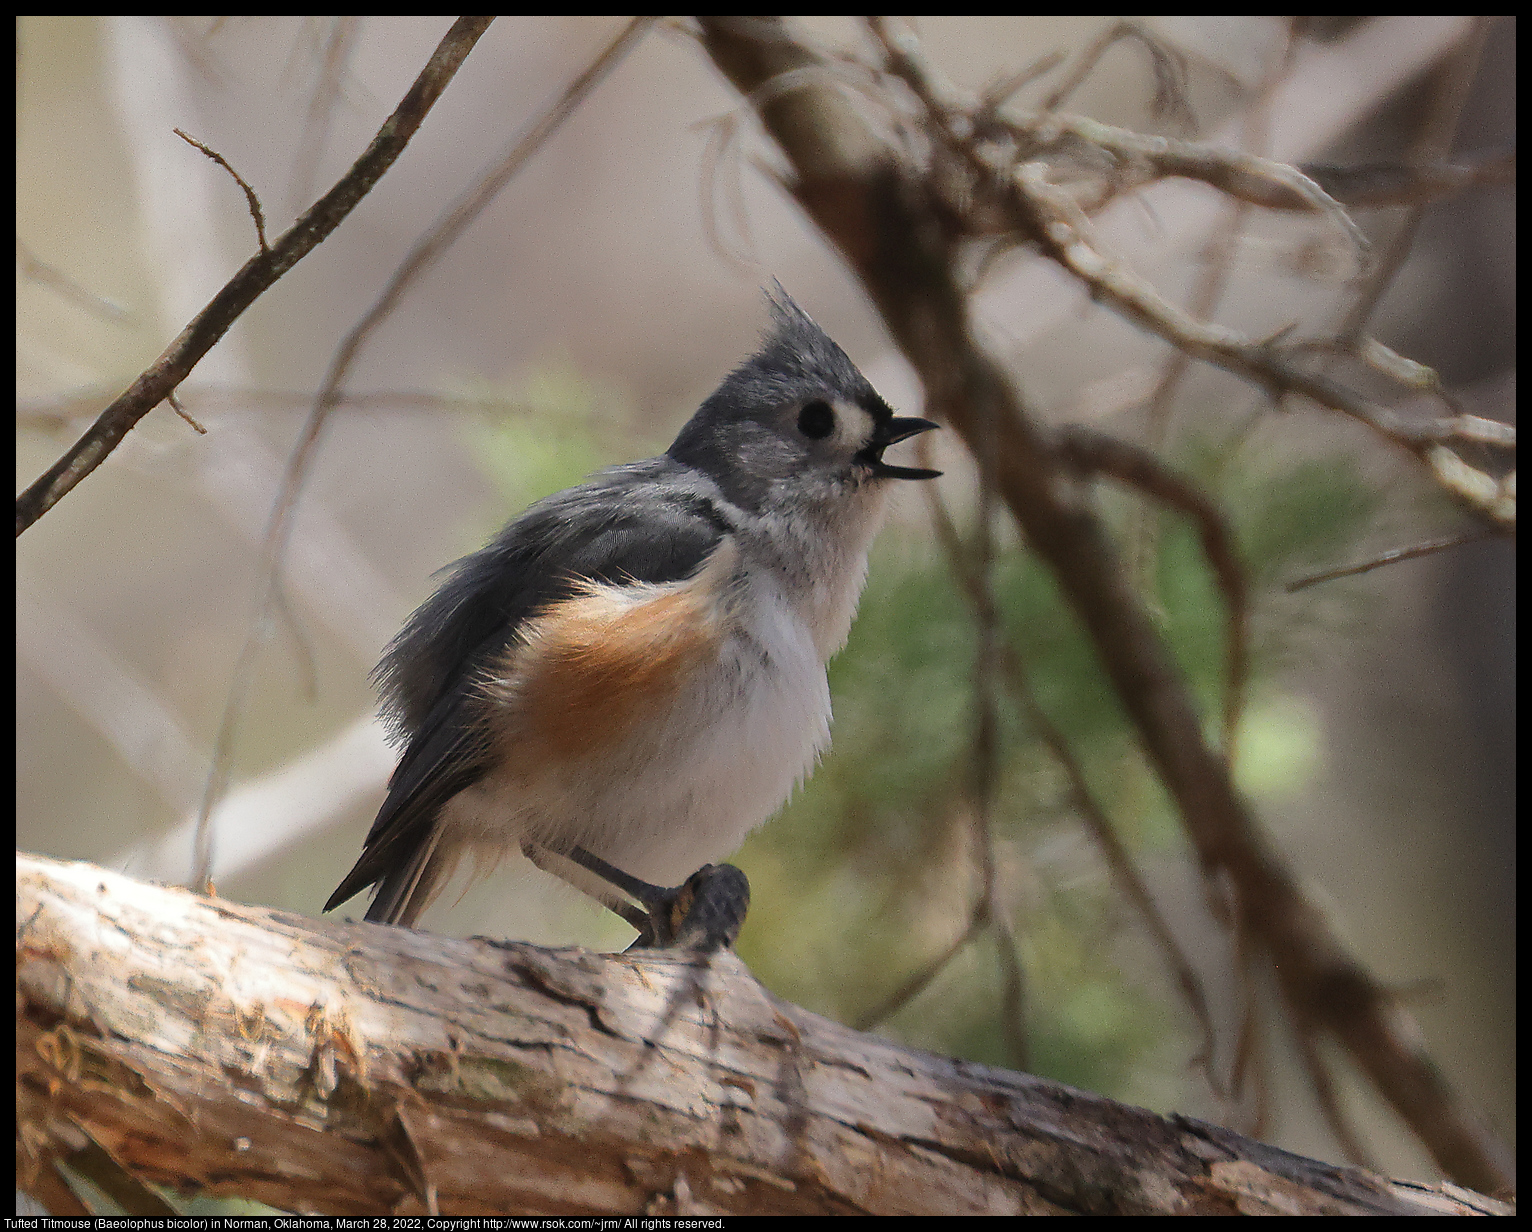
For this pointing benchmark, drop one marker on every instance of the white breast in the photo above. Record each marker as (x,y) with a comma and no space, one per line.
(726,752)
(686,788)
(729,755)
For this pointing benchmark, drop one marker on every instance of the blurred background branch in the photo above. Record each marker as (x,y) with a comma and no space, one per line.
(423,255)
(899,222)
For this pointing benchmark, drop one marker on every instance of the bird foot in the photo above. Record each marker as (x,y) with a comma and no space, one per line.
(705,912)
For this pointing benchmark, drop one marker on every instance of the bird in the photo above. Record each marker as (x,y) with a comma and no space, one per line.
(631,676)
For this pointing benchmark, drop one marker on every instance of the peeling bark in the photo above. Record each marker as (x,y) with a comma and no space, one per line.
(210,1047)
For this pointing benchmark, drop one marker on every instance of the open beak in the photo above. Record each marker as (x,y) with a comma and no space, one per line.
(891,432)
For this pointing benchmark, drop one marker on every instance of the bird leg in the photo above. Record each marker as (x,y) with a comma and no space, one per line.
(704,912)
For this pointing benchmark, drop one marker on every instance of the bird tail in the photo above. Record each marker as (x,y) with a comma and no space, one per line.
(405,890)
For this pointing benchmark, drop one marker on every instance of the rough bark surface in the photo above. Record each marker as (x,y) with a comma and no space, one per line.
(205,1046)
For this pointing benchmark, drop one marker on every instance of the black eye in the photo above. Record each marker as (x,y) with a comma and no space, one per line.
(816,420)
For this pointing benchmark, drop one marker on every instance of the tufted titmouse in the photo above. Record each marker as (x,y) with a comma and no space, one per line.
(631,676)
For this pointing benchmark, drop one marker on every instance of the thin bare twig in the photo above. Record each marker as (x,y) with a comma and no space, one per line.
(921,979)
(1322,1083)
(37,270)
(987,908)
(257,274)
(431,245)
(1006,87)
(1168,65)
(986,741)
(336,55)
(1433,144)
(1250,1061)
(1118,859)
(175,405)
(250,198)
(1216,261)
(1018,185)
(1065,229)
(1391,556)
(716,165)
(1375,185)
(1141,159)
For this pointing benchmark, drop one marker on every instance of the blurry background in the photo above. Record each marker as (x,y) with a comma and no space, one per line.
(578,323)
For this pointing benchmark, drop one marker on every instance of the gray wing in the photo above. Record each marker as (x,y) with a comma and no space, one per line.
(653,521)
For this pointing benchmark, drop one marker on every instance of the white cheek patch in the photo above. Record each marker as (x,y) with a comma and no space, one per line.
(854,427)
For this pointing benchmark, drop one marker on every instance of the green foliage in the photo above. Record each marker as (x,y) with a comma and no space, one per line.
(869,872)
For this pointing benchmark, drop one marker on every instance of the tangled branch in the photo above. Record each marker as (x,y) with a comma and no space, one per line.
(1008,182)
(900,216)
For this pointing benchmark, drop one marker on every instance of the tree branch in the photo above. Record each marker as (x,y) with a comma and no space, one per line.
(424,253)
(210,1047)
(897,230)
(156,382)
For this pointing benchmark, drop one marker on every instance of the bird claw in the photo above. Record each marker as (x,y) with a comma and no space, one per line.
(705,912)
